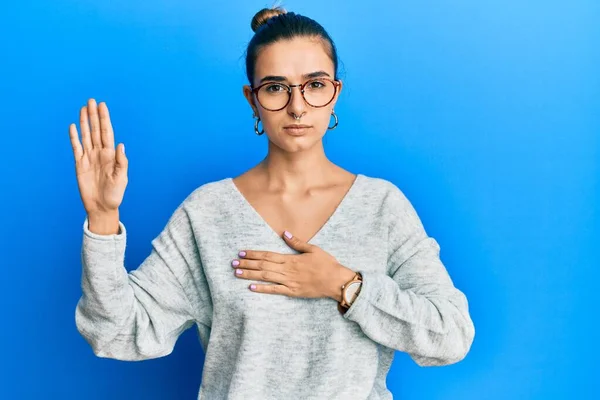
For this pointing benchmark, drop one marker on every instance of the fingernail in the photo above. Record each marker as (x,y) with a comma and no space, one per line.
(242,254)
(235,263)
(123,148)
(252,287)
(238,271)
(287,234)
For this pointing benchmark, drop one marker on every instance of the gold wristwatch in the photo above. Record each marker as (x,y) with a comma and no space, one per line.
(350,291)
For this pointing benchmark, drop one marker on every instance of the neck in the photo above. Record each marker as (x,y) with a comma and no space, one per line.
(297,171)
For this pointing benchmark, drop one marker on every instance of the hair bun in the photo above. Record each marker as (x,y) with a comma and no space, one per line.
(264,15)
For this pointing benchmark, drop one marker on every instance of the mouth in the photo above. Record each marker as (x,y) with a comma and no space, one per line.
(298,126)
(296,129)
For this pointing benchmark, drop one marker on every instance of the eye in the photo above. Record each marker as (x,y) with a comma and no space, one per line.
(274,88)
(316,85)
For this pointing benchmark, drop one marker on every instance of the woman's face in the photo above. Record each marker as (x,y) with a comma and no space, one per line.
(292,61)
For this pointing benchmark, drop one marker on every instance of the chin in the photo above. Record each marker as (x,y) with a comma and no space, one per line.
(295,144)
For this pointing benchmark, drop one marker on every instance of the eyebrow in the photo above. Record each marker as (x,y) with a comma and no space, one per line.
(278,78)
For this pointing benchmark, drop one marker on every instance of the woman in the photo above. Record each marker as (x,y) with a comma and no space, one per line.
(317,313)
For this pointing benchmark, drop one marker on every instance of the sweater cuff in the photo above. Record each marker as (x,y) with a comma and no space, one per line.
(361,304)
(106,244)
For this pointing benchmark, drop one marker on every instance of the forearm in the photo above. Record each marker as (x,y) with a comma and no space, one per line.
(134,315)
(434,328)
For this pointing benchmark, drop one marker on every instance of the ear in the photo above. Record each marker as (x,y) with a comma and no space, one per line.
(250,98)
(337,94)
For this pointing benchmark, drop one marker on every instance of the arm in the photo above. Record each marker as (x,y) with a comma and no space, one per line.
(415,308)
(140,315)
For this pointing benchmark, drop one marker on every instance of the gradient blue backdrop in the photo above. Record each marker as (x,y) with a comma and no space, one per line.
(485,113)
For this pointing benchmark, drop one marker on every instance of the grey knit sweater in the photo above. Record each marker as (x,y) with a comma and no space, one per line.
(265,346)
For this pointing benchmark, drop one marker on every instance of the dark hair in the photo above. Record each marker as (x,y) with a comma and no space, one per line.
(273,24)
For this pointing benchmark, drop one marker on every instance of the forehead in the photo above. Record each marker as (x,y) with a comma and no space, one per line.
(293,58)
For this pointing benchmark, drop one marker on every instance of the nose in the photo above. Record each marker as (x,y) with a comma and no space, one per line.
(297,104)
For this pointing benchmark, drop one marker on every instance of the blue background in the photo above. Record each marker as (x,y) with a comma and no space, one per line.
(485,113)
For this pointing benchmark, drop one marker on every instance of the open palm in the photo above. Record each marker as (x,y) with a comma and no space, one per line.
(101,170)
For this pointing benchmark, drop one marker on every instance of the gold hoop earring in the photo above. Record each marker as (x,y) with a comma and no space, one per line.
(336,121)
(256,126)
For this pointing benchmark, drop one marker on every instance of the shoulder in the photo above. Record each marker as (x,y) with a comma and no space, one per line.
(406,230)
(388,195)
(204,200)
(204,204)
(208,197)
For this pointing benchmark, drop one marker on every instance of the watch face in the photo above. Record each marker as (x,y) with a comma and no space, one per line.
(351,291)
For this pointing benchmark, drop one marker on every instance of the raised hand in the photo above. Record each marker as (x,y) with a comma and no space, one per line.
(101,171)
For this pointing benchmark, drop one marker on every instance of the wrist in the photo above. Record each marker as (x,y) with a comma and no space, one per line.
(104,223)
(343,275)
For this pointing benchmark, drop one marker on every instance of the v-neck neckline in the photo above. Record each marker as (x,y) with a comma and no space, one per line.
(247,205)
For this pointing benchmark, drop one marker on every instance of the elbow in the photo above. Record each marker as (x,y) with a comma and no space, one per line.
(129,342)
(455,345)
(121,348)
(86,329)
(460,347)
(94,341)
(116,351)
(104,339)
(463,337)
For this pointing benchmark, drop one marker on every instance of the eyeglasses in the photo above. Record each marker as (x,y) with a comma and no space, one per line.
(275,96)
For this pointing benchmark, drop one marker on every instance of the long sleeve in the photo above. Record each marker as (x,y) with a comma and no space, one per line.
(415,308)
(140,315)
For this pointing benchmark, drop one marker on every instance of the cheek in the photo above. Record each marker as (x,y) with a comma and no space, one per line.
(324,119)
(272,120)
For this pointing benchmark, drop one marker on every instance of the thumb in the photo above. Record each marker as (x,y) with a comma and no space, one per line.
(121,160)
(296,243)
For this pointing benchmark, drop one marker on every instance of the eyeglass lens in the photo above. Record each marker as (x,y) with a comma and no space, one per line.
(317,93)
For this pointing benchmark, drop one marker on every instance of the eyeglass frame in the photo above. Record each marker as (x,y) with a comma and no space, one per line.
(336,85)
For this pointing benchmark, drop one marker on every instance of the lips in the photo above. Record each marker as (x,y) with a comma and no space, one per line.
(296,130)
(298,126)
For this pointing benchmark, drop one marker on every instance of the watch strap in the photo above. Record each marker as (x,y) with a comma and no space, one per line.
(343,306)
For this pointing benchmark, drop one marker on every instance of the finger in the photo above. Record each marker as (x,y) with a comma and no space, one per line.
(75,144)
(85,129)
(272,289)
(257,265)
(264,255)
(106,131)
(297,244)
(94,123)
(122,161)
(263,276)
